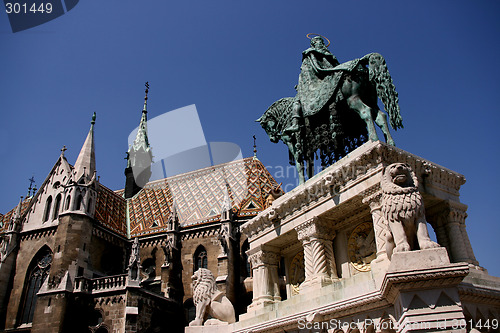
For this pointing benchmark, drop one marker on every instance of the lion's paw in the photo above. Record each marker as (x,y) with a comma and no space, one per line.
(429,245)
(402,248)
(196,322)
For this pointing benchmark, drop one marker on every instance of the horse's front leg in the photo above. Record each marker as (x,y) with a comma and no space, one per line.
(365,112)
(299,165)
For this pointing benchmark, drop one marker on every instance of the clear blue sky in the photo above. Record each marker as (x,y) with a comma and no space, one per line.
(235,58)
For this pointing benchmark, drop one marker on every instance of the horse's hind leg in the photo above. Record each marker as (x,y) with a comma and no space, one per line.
(300,171)
(310,168)
(365,112)
(381,121)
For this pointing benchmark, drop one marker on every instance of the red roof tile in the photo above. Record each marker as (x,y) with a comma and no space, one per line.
(199,195)
(110,210)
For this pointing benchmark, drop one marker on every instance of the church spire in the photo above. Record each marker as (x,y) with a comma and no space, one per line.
(141,139)
(85,163)
(139,156)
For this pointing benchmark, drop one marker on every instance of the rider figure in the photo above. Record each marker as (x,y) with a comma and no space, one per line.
(317,64)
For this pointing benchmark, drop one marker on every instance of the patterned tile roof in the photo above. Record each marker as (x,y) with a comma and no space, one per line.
(199,195)
(110,210)
(5,219)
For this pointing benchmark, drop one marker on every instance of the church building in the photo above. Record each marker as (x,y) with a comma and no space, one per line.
(77,256)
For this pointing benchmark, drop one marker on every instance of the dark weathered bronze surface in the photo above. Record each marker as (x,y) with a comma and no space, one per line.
(335,108)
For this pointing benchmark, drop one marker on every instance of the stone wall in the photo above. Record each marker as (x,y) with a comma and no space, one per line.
(112,309)
(30,244)
(190,242)
(107,253)
(50,313)
(148,313)
(73,236)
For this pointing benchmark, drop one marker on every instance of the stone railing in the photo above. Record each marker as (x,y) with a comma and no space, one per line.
(103,284)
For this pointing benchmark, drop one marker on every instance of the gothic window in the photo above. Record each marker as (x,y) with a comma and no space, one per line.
(57,206)
(48,205)
(68,200)
(78,204)
(37,273)
(246,270)
(149,268)
(89,206)
(200,258)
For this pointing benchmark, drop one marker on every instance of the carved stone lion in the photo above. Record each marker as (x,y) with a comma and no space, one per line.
(403,210)
(210,301)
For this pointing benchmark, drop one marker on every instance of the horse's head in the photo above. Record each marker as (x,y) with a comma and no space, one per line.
(269,125)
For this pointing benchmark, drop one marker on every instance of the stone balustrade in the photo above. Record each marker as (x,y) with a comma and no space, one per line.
(102,284)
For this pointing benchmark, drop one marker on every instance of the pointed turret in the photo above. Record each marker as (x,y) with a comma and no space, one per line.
(85,163)
(139,156)
(15,224)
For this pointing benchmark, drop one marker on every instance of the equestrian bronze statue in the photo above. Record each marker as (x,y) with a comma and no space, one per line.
(335,108)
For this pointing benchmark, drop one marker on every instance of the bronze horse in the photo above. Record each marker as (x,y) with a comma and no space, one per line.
(320,117)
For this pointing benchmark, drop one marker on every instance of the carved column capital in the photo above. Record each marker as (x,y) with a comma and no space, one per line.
(263,256)
(451,216)
(315,228)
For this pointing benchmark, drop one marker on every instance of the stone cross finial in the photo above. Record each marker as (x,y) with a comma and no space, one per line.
(254,147)
(31,180)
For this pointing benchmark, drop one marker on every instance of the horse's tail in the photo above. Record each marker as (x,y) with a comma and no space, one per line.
(386,91)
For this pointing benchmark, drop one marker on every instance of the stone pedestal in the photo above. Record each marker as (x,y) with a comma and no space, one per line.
(414,260)
(417,290)
(223,328)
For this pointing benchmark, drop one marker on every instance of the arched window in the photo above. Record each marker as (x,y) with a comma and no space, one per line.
(68,201)
(48,205)
(78,204)
(246,269)
(89,205)
(200,258)
(37,273)
(57,205)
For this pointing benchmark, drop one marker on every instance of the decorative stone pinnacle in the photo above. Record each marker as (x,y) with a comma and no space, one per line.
(63,150)
(146,97)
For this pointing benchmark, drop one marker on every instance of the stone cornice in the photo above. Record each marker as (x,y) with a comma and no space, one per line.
(472,293)
(363,163)
(38,233)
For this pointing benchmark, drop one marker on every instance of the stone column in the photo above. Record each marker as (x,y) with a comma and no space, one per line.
(380,226)
(459,240)
(319,261)
(439,223)
(264,261)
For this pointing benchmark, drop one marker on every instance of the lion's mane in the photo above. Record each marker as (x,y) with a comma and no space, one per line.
(204,285)
(401,202)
